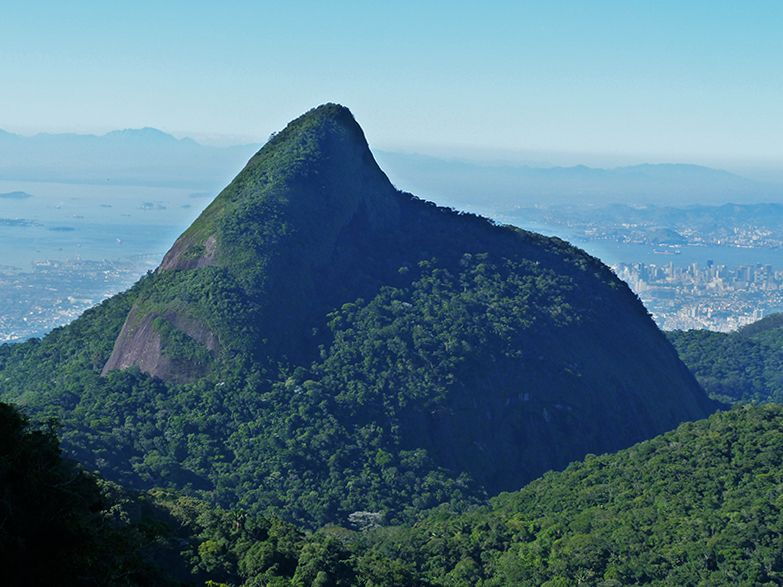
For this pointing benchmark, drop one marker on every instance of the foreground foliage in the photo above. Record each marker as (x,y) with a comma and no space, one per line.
(54,525)
(698,505)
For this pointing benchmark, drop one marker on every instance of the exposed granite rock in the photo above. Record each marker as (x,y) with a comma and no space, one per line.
(186,254)
(140,344)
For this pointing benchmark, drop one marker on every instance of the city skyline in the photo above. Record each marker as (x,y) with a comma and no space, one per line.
(712,296)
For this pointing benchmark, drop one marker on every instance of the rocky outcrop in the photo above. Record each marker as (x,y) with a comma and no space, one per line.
(188,254)
(141,344)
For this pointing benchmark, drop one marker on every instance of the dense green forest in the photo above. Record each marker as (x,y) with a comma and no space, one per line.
(698,505)
(60,525)
(310,446)
(55,524)
(319,343)
(742,366)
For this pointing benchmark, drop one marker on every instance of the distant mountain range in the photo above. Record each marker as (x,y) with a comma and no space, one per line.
(15,196)
(466,182)
(148,156)
(145,156)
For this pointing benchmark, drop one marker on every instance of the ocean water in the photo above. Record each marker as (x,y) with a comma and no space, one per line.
(69,221)
(611,252)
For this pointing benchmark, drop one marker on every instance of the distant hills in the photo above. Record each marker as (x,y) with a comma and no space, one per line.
(702,218)
(144,156)
(464,182)
(148,156)
(738,225)
(318,344)
(15,196)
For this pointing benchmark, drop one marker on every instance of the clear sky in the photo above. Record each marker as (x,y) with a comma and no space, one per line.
(662,80)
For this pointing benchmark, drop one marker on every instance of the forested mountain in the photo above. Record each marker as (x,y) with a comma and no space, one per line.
(143,156)
(319,343)
(741,366)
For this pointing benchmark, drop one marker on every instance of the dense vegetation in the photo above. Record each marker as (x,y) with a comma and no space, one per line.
(310,443)
(54,525)
(742,366)
(699,505)
(62,526)
(319,344)
(327,379)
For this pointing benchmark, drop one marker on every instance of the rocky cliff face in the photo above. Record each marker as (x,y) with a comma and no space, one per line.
(141,343)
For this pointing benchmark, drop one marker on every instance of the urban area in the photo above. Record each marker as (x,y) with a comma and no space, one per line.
(712,296)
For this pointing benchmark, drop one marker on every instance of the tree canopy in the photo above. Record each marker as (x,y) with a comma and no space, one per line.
(742,366)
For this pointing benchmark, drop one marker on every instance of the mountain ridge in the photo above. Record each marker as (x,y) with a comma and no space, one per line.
(696,505)
(737,367)
(144,156)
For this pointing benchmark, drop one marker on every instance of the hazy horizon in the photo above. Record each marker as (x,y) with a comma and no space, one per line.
(475,156)
(561,82)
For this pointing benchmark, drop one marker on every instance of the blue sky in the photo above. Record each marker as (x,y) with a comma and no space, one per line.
(661,81)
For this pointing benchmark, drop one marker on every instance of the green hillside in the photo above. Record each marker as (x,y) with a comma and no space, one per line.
(319,343)
(741,366)
(62,526)
(700,505)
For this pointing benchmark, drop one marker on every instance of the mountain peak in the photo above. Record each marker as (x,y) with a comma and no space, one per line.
(329,116)
(289,211)
(146,133)
(329,111)
(317,171)
(312,131)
